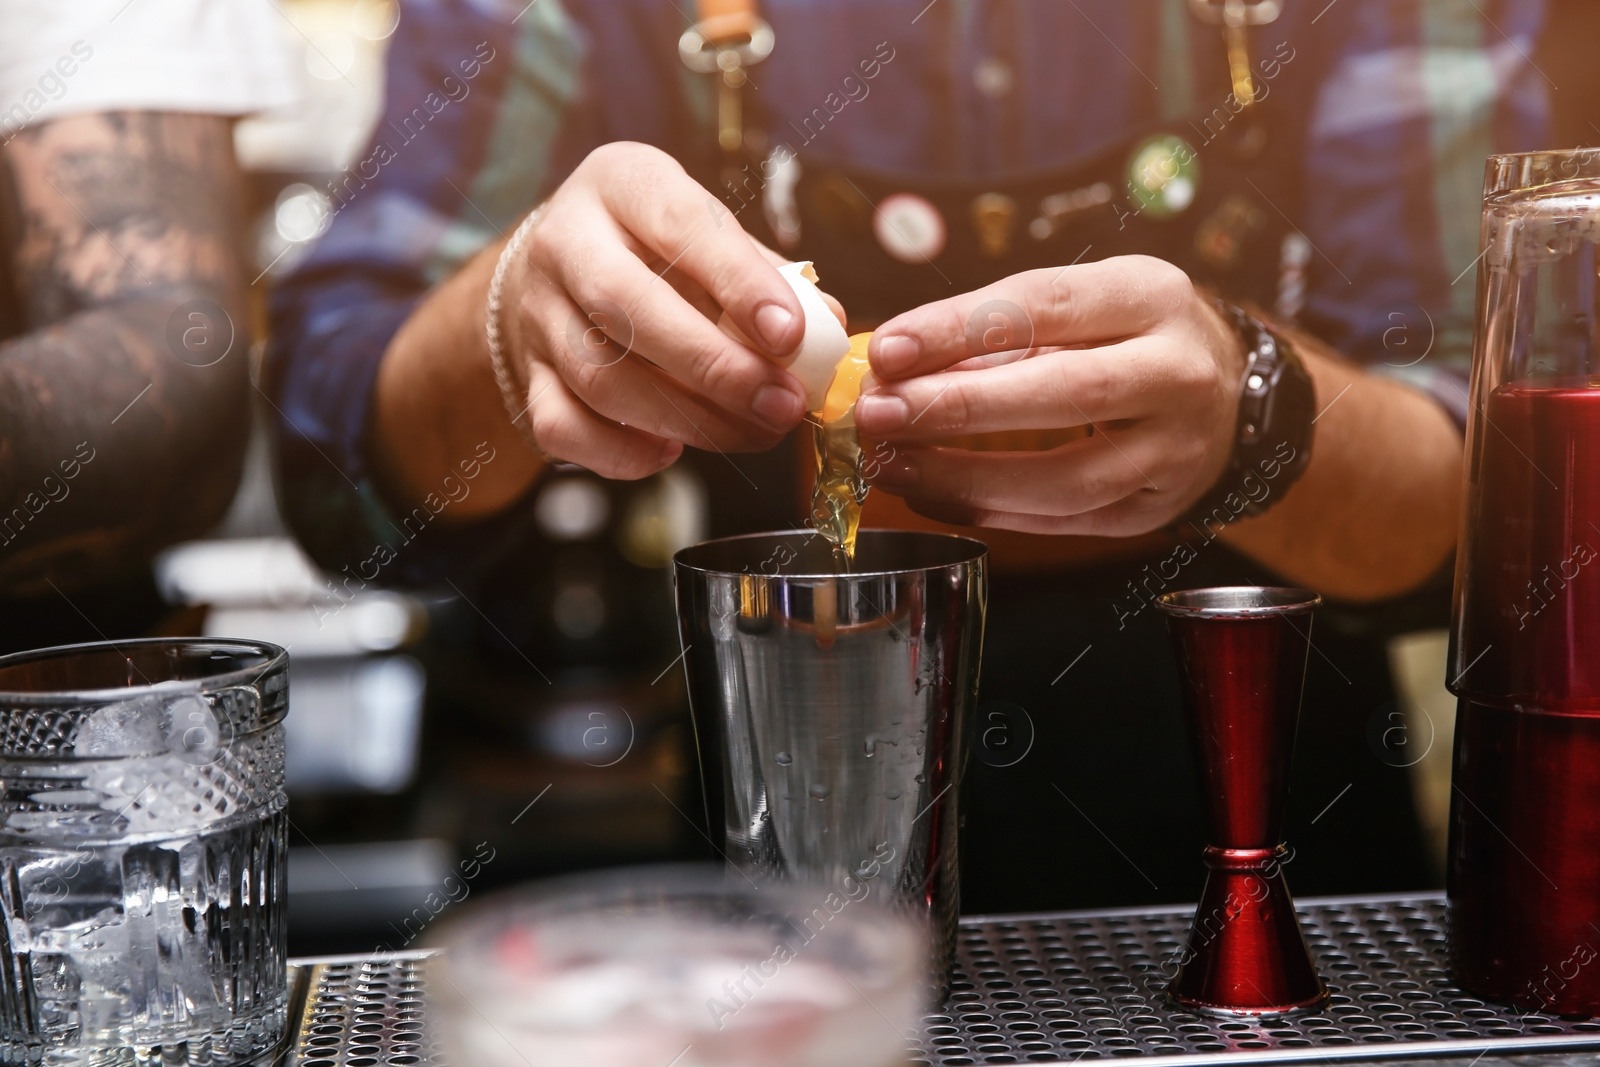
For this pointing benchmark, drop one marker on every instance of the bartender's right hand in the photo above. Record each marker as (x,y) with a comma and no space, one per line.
(610,317)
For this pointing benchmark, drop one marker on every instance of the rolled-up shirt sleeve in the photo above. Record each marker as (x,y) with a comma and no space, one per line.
(1398,138)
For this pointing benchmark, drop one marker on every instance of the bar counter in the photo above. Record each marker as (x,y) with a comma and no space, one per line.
(1057,988)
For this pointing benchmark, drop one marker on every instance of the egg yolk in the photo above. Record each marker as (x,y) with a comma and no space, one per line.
(846,387)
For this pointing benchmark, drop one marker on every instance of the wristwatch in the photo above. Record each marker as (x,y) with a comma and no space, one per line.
(1272,439)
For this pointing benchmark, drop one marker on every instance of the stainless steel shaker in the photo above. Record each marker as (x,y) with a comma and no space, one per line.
(830,710)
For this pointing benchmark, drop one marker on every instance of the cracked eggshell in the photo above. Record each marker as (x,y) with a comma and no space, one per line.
(824,344)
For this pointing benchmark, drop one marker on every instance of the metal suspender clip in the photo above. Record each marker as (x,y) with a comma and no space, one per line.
(728,39)
(1235,17)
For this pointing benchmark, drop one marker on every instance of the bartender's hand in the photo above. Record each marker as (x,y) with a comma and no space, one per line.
(610,320)
(1126,345)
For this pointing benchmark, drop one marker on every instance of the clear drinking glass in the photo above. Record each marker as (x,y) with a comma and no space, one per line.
(688,966)
(142,853)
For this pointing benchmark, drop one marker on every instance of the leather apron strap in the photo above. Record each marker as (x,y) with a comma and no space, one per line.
(722,21)
(728,38)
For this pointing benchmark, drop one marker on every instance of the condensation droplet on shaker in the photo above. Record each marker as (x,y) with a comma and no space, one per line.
(783,759)
(819,792)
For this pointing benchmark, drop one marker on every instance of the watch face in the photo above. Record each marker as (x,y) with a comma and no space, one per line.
(1272,446)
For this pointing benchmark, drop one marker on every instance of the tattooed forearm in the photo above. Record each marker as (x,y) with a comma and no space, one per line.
(114,226)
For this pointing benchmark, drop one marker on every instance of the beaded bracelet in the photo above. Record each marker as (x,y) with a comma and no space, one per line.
(516,406)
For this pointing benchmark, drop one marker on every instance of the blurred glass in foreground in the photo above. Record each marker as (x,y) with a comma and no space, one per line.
(689,966)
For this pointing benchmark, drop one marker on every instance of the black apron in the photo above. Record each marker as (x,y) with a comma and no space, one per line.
(1226,235)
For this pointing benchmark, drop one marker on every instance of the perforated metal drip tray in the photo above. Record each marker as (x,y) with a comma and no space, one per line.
(1060,988)
(360,1011)
(1081,985)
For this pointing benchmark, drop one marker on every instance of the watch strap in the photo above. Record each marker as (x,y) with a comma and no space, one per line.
(1274,428)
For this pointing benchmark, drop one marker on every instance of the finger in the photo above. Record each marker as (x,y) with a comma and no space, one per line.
(777,259)
(835,307)
(638,394)
(568,431)
(999,359)
(1049,390)
(625,388)
(690,290)
(683,223)
(1091,302)
(646,318)
(687,288)
(1070,479)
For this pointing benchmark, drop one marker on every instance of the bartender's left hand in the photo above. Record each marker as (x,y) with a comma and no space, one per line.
(1127,345)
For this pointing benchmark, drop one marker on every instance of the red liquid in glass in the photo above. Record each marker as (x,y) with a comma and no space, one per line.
(1525,819)
(1530,621)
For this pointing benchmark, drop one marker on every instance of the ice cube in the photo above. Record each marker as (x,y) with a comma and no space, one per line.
(160,795)
(135,727)
(161,751)
(100,954)
(168,962)
(195,736)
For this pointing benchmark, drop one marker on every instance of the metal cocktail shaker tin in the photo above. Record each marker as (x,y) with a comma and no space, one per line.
(831,710)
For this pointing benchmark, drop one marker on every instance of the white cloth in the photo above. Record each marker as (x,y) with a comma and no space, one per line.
(218,57)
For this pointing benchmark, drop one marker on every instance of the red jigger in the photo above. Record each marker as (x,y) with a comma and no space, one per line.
(1242,651)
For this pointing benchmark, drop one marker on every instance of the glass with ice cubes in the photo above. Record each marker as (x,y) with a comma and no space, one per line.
(142,853)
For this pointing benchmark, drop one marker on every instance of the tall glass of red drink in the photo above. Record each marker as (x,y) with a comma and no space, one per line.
(1524,876)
